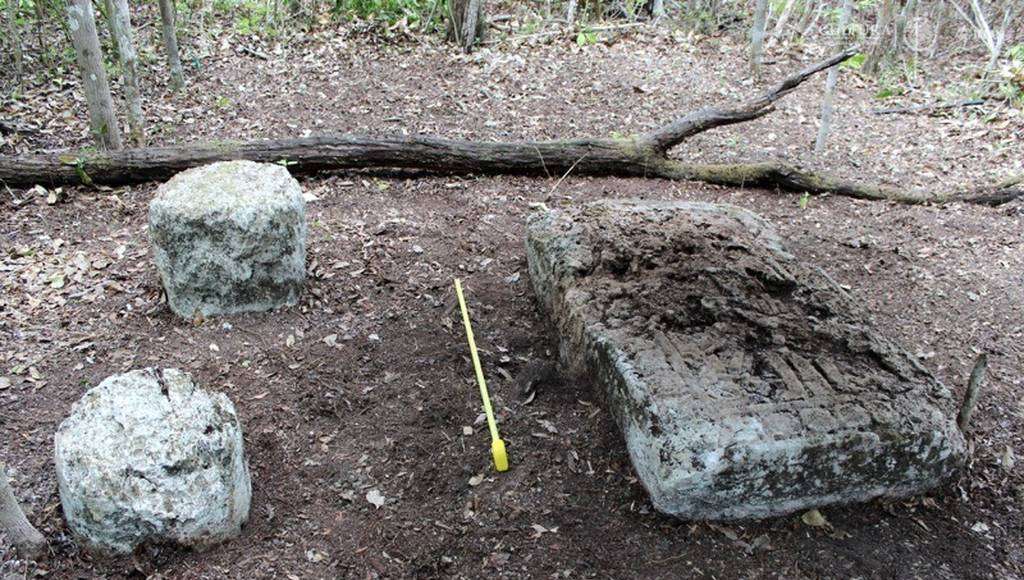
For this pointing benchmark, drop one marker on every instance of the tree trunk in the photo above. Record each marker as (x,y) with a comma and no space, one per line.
(757,36)
(643,155)
(121,29)
(27,540)
(171,44)
(882,39)
(14,33)
(900,43)
(466,22)
(831,80)
(102,123)
(657,10)
(44,55)
(780,24)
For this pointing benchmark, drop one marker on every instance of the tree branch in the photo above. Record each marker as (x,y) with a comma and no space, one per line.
(664,138)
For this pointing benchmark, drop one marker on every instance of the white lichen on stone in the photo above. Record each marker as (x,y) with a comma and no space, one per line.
(229,237)
(150,457)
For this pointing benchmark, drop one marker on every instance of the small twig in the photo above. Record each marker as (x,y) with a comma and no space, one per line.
(253,52)
(930,108)
(564,175)
(971,397)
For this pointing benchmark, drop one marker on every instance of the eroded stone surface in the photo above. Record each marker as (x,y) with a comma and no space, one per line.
(746,383)
(229,237)
(149,457)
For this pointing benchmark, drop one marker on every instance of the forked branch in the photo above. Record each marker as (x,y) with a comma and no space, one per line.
(664,138)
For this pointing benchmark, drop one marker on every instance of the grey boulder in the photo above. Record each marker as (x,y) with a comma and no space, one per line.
(229,237)
(148,457)
(746,383)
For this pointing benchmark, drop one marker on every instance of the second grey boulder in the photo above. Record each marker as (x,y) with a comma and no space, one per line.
(229,237)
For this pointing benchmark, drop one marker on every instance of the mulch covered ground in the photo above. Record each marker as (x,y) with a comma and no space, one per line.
(366,385)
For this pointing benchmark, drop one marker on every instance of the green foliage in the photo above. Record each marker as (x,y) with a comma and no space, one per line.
(1016,53)
(889,92)
(855,62)
(413,12)
(804,200)
(1012,86)
(586,37)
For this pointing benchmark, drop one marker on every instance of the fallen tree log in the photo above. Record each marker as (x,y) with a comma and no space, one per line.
(643,155)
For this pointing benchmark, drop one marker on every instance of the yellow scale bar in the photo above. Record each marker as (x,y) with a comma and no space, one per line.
(497,445)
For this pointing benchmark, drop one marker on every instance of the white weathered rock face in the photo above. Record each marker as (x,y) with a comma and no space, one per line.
(229,237)
(746,383)
(149,457)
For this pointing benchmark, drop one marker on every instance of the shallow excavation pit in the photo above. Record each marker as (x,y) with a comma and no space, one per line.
(746,383)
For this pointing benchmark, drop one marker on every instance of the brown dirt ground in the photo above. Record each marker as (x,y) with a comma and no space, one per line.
(385,408)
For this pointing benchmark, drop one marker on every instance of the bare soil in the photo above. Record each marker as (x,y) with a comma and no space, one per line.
(366,384)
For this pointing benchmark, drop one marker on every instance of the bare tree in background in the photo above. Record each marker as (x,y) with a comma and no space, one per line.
(121,29)
(466,22)
(900,33)
(831,80)
(780,24)
(82,26)
(14,36)
(171,43)
(26,538)
(978,20)
(882,38)
(658,10)
(757,36)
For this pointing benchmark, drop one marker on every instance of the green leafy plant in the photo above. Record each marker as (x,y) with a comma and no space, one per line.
(855,62)
(586,37)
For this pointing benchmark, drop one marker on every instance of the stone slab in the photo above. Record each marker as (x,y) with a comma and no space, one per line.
(746,383)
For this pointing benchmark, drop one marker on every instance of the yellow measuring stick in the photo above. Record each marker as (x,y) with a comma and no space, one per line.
(497,445)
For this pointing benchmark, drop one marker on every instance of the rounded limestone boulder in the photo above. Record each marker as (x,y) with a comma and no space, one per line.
(229,237)
(149,457)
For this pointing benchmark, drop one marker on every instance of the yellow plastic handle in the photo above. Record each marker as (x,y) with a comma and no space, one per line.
(497,445)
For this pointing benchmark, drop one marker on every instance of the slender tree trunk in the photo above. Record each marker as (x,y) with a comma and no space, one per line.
(570,12)
(900,43)
(806,14)
(108,13)
(26,538)
(831,80)
(757,36)
(121,29)
(881,44)
(780,24)
(658,10)
(102,123)
(466,22)
(171,44)
(44,54)
(471,25)
(14,33)
(942,19)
